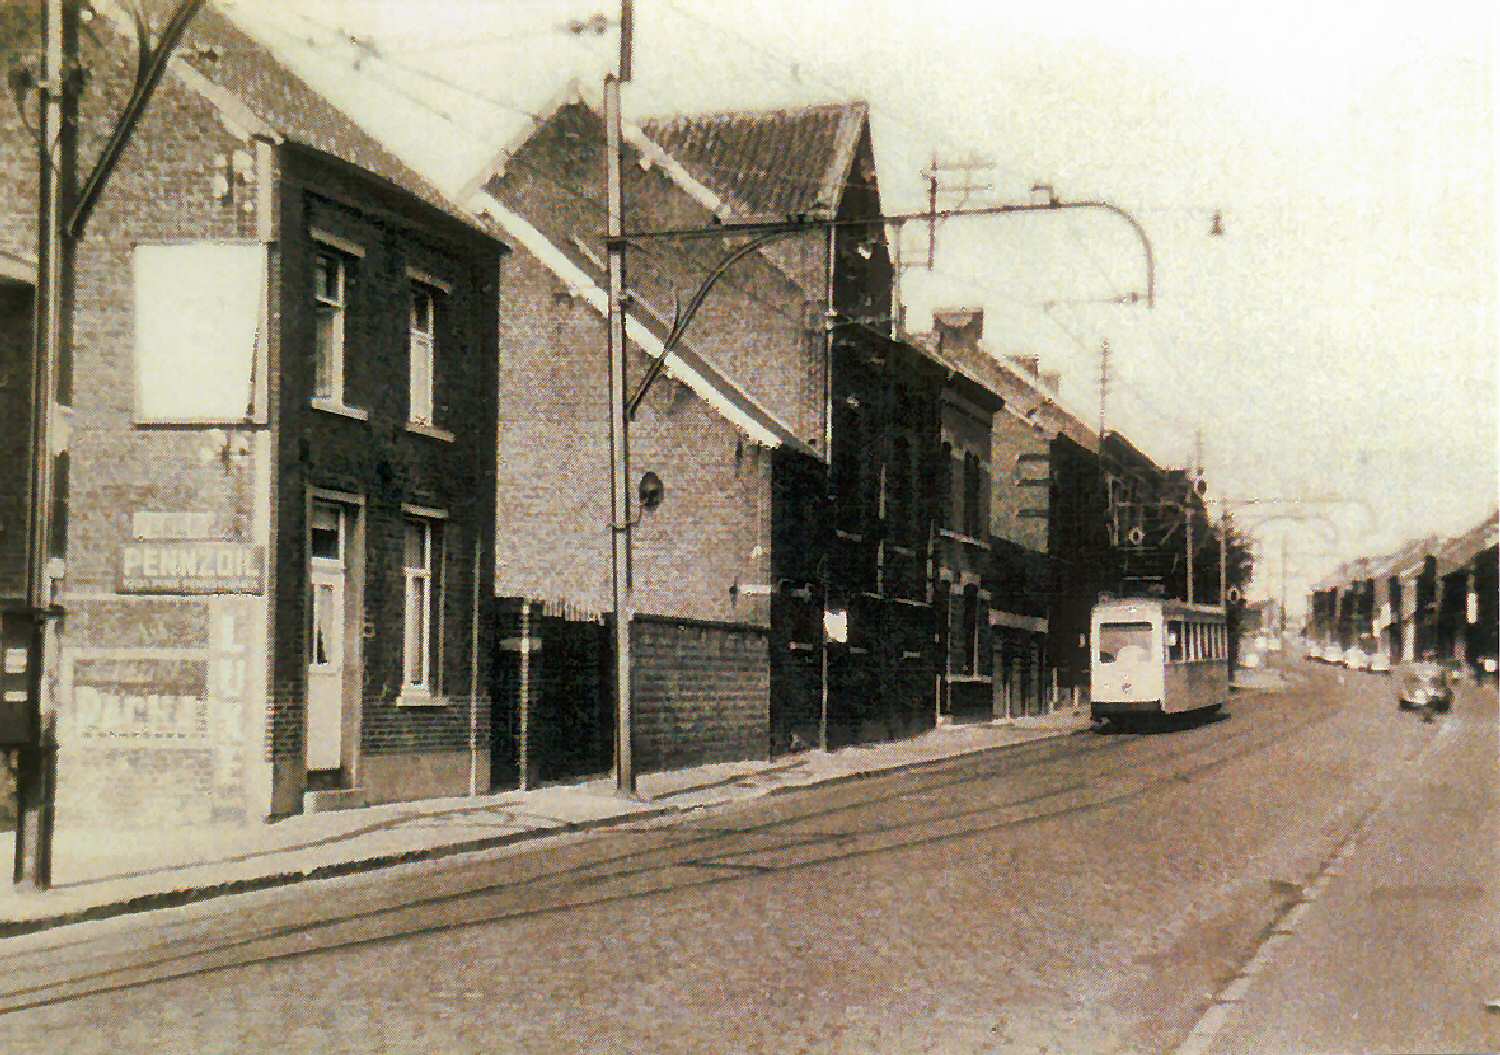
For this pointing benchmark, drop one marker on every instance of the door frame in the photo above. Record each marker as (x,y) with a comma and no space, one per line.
(355,514)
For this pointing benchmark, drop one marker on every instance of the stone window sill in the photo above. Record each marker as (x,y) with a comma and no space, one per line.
(422,428)
(330,406)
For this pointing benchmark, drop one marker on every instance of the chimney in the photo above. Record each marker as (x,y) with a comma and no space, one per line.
(1029,364)
(958,329)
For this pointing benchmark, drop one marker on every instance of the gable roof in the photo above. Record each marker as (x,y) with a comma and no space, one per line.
(572,266)
(768,164)
(684,364)
(257,95)
(1011,382)
(1461,549)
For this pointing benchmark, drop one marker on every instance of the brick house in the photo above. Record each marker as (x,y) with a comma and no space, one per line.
(1465,619)
(879,395)
(281,456)
(725,567)
(1018,571)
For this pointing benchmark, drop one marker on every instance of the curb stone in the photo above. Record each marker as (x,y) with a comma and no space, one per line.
(190,895)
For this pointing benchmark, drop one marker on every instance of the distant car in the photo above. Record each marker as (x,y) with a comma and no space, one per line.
(1355,658)
(1424,685)
(1380,663)
(1332,653)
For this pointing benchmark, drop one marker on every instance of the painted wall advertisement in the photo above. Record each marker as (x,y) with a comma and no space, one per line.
(183,552)
(184,566)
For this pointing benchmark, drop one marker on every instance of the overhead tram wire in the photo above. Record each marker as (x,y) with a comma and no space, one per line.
(379,54)
(581,195)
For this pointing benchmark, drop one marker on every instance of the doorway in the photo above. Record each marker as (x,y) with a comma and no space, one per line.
(333,668)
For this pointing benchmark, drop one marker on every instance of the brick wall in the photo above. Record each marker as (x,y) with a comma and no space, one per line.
(1018,453)
(380,462)
(711,531)
(702,693)
(142,695)
(182,737)
(755,326)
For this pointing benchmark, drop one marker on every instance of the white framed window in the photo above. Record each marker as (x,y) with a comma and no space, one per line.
(326,539)
(422,639)
(330,307)
(423,347)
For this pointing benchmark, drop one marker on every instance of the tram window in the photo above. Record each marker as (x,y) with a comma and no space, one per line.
(1124,642)
(1174,641)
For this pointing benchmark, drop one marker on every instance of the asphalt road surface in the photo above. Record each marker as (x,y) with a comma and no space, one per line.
(1313,870)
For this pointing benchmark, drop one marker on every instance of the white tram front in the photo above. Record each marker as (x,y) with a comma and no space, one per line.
(1155,657)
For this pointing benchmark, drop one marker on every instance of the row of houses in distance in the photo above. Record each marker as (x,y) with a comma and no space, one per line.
(1432,596)
(333,527)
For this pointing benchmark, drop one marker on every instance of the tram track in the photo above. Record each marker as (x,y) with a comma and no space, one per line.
(185,957)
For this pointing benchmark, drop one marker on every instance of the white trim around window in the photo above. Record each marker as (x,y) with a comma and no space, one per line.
(422,608)
(428,279)
(333,241)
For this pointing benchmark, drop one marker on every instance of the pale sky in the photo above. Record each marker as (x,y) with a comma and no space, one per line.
(1337,342)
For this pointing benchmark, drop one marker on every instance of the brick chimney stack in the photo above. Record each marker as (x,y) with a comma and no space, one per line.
(1029,364)
(958,329)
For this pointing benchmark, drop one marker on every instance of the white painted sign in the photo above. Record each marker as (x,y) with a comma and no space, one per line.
(182,567)
(159,524)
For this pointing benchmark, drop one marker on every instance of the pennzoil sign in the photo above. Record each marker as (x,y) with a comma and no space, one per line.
(187,567)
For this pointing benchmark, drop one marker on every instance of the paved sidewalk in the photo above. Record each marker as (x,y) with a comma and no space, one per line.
(99,873)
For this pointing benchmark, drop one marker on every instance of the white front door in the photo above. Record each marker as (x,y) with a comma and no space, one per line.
(325,667)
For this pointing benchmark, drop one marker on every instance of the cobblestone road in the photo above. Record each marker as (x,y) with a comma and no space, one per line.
(1091,893)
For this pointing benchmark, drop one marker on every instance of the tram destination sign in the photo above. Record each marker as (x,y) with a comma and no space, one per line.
(178,566)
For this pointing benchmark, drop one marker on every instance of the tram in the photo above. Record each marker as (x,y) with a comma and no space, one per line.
(1154,657)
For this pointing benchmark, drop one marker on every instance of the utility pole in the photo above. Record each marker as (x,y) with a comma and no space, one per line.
(1224,558)
(57,155)
(619,440)
(1282,620)
(1104,353)
(1187,518)
(932,174)
(932,189)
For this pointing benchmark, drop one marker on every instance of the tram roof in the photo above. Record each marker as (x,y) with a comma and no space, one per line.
(1167,606)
